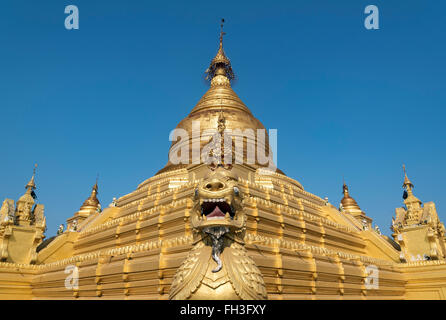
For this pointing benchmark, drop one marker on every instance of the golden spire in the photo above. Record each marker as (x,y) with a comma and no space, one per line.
(409,198)
(220,108)
(220,65)
(92,201)
(407,184)
(31,185)
(221,33)
(347,201)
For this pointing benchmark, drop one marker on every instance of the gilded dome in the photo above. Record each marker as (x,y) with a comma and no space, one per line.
(347,201)
(92,201)
(220,101)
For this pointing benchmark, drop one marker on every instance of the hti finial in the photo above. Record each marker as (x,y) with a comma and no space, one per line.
(344,187)
(31,185)
(220,65)
(92,200)
(221,32)
(96,184)
(407,184)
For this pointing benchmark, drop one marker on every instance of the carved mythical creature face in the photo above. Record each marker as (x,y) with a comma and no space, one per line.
(218,202)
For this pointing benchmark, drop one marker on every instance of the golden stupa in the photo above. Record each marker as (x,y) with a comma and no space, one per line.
(221,230)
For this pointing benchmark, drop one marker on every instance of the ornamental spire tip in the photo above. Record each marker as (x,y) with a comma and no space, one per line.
(220,65)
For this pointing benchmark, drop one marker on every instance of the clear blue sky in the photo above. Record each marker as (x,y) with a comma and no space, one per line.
(102,99)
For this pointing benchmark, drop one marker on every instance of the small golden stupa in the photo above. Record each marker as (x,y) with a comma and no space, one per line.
(212,227)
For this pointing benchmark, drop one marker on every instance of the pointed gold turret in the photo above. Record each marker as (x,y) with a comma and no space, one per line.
(89,207)
(220,65)
(347,201)
(220,75)
(26,202)
(413,204)
(408,196)
(407,184)
(350,206)
(204,118)
(31,185)
(92,201)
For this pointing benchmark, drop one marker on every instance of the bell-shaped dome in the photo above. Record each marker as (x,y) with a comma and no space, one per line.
(220,107)
(92,201)
(347,201)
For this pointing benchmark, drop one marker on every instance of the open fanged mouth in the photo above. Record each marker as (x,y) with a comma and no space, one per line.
(214,209)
